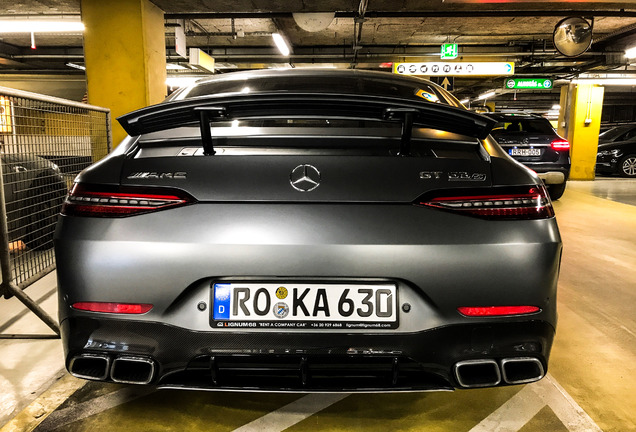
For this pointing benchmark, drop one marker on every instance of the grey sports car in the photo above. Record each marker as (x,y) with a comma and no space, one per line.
(308,231)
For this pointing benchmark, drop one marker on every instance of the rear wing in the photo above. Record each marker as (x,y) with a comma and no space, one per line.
(206,110)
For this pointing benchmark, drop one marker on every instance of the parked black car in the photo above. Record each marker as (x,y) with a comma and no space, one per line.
(618,133)
(531,140)
(617,158)
(34,190)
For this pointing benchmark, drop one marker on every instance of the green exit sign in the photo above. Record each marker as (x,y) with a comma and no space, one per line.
(529,83)
(449,51)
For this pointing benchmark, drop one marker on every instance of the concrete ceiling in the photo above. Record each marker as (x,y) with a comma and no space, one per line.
(363,34)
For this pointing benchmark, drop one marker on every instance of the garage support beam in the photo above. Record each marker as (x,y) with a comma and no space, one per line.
(124,49)
(584,106)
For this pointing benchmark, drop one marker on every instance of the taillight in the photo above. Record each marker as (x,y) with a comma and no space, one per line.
(528,202)
(560,145)
(118,308)
(105,201)
(497,310)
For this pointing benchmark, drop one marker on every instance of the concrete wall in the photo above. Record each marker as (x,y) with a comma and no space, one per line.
(71,87)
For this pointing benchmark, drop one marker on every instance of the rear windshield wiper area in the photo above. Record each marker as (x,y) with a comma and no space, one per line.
(425,143)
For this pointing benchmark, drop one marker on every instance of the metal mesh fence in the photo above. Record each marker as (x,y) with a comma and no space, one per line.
(45,142)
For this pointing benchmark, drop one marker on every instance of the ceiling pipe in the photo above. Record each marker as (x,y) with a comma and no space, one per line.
(415,14)
(357,23)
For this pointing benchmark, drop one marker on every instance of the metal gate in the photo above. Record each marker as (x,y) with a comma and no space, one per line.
(45,142)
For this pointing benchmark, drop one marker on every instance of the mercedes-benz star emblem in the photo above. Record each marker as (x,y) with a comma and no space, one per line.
(305,178)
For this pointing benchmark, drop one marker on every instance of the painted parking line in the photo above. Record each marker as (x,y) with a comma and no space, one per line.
(512,416)
(30,417)
(522,407)
(293,413)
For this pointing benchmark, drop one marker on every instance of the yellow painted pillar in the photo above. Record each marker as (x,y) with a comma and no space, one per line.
(583,126)
(125,54)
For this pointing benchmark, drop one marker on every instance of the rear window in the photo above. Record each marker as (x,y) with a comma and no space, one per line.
(516,125)
(307,136)
(618,133)
(341,84)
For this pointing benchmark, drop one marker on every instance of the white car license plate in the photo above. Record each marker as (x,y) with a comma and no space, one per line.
(525,152)
(315,306)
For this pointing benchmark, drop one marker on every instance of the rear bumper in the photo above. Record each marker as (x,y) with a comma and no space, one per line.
(300,361)
(550,173)
(438,261)
(552,177)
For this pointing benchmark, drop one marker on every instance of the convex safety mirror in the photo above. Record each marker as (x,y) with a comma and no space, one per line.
(572,36)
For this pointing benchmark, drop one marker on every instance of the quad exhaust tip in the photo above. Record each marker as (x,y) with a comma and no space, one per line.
(477,373)
(132,370)
(521,370)
(488,373)
(90,366)
(124,369)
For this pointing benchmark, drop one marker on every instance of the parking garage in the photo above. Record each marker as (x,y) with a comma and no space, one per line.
(60,94)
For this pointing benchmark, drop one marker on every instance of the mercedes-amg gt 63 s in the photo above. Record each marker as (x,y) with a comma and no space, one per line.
(308,231)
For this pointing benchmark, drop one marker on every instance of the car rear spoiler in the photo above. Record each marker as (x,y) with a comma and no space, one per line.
(205,110)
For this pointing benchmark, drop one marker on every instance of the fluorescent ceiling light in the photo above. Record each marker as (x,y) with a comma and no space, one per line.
(631,52)
(39,26)
(76,66)
(181,81)
(281,44)
(464,101)
(175,66)
(606,81)
(486,95)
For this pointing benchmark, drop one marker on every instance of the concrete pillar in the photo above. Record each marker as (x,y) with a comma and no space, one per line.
(125,54)
(583,126)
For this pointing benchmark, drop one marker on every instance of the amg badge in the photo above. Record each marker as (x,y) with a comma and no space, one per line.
(157,175)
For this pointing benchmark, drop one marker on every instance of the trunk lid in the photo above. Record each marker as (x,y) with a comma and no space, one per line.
(263,178)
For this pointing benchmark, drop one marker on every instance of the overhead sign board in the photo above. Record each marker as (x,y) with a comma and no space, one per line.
(529,83)
(180,39)
(449,51)
(455,68)
(201,60)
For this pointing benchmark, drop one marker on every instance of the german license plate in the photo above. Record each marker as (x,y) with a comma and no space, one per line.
(312,306)
(525,152)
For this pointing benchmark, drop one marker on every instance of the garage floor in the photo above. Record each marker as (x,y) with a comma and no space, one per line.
(590,385)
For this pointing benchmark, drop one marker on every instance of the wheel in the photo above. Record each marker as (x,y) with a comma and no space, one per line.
(556,190)
(44,207)
(627,166)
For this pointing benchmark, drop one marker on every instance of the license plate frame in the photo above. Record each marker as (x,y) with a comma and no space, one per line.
(524,152)
(245,305)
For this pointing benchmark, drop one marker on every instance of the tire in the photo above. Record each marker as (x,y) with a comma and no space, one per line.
(627,166)
(44,205)
(556,190)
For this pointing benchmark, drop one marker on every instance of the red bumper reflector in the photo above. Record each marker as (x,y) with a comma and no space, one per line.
(119,308)
(560,145)
(497,310)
